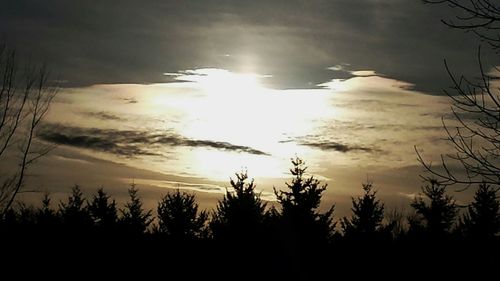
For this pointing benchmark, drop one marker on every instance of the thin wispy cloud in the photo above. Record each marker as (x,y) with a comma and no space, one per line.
(104,116)
(94,139)
(130,100)
(335,146)
(129,143)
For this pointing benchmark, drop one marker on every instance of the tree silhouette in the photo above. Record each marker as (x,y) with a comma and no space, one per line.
(46,217)
(241,213)
(135,219)
(178,216)
(481,17)
(482,221)
(368,213)
(24,101)
(435,218)
(476,103)
(103,210)
(299,207)
(26,215)
(397,222)
(302,232)
(74,213)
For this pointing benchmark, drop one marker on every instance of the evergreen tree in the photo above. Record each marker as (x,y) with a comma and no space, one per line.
(9,220)
(103,210)
(299,207)
(483,217)
(26,215)
(46,216)
(436,218)
(368,213)
(241,213)
(178,216)
(135,219)
(74,213)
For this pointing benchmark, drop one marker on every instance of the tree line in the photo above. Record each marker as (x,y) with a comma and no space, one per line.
(298,234)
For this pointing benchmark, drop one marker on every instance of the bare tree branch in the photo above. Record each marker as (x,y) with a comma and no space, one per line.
(481,17)
(24,101)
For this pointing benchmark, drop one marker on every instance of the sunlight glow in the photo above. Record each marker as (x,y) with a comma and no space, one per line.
(207,124)
(221,82)
(238,109)
(219,122)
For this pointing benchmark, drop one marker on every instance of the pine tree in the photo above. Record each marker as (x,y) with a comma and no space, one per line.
(135,219)
(368,213)
(240,214)
(26,215)
(178,216)
(482,221)
(103,210)
(437,217)
(74,213)
(46,216)
(299,207)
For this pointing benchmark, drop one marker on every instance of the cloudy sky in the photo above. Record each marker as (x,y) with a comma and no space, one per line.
(185,93)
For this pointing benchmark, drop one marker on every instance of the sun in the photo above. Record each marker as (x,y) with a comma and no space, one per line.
(225,83)
(222,82)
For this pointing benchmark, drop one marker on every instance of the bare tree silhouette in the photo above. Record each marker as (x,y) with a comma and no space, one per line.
(481,17)
(24,101)
(476,104)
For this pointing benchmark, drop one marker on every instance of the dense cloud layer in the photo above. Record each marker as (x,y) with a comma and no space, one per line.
(294,40)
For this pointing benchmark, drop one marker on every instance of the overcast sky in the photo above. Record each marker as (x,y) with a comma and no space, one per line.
(197,90)
(90,42)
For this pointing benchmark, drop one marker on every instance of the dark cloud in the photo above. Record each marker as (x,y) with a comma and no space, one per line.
(200,187)
(104,116)
(128,143)
(211,144)
(99,142)
(130,41)
(130,100)
(336,146)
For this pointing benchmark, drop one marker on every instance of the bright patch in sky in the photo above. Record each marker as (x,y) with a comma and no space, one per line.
(210,123)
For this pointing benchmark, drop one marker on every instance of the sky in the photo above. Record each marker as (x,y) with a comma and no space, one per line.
(183,94)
